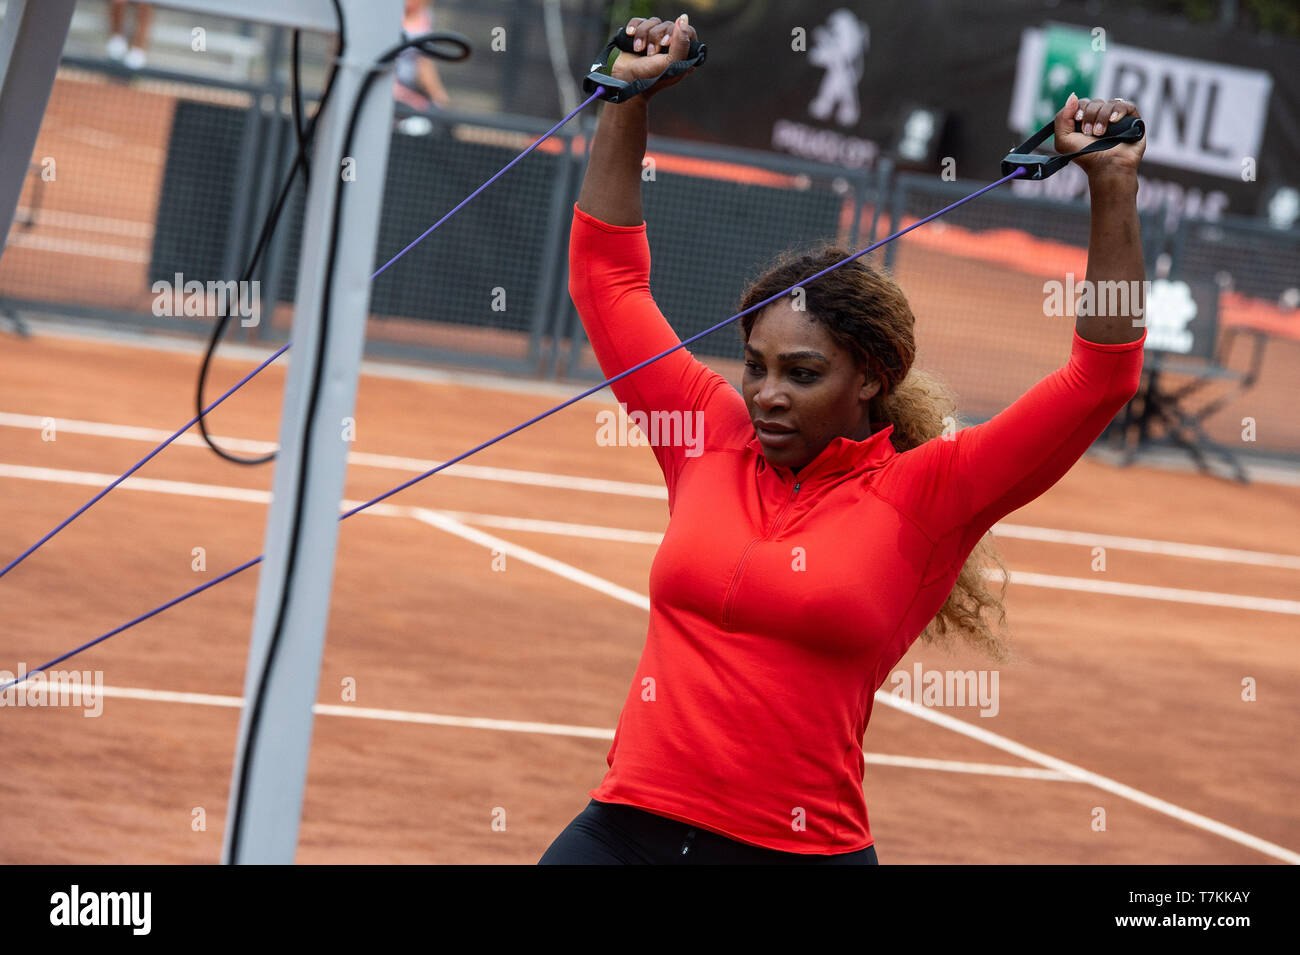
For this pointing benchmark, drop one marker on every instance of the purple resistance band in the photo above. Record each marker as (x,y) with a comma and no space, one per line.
(531,421)
(285,347)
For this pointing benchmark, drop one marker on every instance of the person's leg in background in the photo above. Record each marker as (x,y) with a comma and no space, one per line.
(131,55)
(116,29)
(140,38)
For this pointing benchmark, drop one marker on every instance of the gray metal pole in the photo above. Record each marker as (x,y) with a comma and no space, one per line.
(308,14)
(32,35)
(277,743)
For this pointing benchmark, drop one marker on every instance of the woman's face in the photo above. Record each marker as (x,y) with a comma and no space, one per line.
(801,388)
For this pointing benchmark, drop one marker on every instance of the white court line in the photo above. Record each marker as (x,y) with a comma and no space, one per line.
(258,496)
(512,476)
(603,486)
(558,528)
(559,568)
(446,519)
(425,515)
(392,462)
(1085,776)
(93,137)
(1116,588)
(962,766)
(155,485)
(123,336)
(1008,745)
(1230,555)
(598,532)
(640,601)
(76,220)
(1052,763)
(94,250)
(527,726)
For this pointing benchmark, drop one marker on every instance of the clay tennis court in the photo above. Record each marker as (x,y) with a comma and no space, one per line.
(489,620)
(490,656)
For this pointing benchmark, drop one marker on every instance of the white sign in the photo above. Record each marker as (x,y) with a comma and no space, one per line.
(1170,308)
(1199,115)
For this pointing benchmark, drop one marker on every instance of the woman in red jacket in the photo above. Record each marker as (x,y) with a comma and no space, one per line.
(820,521)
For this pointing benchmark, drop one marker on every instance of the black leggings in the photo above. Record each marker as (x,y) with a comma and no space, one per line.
(613,834)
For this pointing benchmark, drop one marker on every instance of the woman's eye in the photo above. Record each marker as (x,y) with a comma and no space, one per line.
(752,368)
(804,374)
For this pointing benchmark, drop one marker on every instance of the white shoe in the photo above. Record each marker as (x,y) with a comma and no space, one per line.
(116,47)
(416,126)
(134,58)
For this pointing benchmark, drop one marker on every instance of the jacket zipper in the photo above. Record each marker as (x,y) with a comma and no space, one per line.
(744,558)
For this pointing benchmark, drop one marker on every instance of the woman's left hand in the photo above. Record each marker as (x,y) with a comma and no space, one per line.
(1096,115)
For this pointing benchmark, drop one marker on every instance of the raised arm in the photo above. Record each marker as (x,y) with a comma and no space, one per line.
(1115,238)
(611,188)
(961,484)
(609,275)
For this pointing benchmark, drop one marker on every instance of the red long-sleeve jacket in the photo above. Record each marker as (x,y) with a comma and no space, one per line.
(779,603)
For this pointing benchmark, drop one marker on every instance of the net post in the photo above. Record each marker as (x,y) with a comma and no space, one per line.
(32,35)
(277,745)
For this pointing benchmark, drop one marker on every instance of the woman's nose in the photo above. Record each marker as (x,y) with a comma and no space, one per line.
(770,395)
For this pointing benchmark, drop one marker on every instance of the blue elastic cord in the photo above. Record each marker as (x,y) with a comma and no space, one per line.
(531,421)
(139,464)
(285,347)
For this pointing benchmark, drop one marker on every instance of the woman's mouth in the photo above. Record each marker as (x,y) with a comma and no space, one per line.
(773,434)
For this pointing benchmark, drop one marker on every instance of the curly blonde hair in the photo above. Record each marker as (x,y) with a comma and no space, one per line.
(867,314)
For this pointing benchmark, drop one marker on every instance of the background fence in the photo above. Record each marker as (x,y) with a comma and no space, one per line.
(139,176)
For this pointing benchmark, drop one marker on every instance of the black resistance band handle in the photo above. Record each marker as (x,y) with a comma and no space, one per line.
(619,91)
(1126,129)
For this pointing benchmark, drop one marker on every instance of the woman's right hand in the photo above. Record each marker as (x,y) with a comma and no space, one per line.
(658,43)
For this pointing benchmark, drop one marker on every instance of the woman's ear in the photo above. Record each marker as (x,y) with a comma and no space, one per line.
(869,389)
